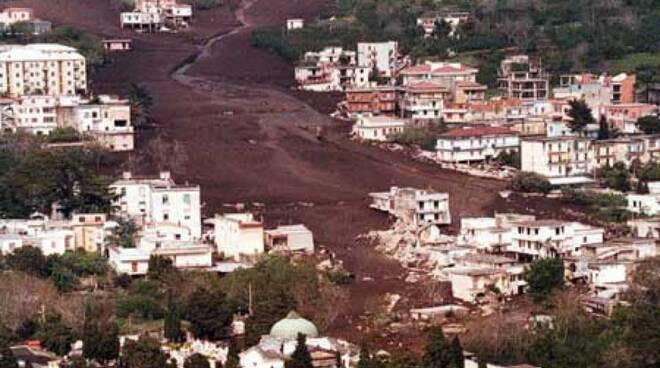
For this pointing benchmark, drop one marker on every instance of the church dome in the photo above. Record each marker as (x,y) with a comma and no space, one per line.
(292,325)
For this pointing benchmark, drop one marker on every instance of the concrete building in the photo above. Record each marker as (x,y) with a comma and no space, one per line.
(623,116)
(370,100)
(295,23)
(89,231)
(520,78)
(645,227)
(155,200)
(479,143)
(468,91)
(381,57)
(238,235)
(11,16)
(42,69)
(555,157)
(129,261)
(472,284)
(156,15)
(423,101)
(444,73)
(378,128)
(414,206)
(331,69)
(291,238)
(118,44)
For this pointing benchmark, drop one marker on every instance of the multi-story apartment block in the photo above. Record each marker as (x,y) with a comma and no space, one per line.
(444,73)
(331,69)
(519,78)
(414,206)
(555,157)
(155,200)
(423,100)
(153,14)
(531,240)
(11,16)
(107,119)
(42,69)
(623,116)
(478,143)
(468,91)
(381,57)
(372,100)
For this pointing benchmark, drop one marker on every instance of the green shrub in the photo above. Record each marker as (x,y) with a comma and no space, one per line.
(424,137)
(142,306)
(64,135)
(529,182)
(340,277)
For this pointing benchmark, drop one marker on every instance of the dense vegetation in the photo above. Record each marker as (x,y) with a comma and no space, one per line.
(34,179)
(620,35)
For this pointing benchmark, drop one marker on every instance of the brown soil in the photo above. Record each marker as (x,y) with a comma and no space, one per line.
(246,137)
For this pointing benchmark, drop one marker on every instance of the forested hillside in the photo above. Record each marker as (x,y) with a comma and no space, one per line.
(569,35)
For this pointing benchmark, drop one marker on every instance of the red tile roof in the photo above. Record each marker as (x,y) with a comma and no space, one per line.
(478,131)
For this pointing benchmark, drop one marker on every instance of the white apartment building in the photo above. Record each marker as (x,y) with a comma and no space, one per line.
(381,56)
(414,206)
(107,118)
(555,157)
(11,16)
(153,15)
(38,232)
(378,128)
(444,73)
(480,143)
(644,204)
(238,235)
(536,239)
(490,234)
(331,69)
(157,200)
(471,284)
(423,101)
(45,69)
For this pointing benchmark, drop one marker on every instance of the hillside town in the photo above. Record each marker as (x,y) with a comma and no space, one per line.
(201,192)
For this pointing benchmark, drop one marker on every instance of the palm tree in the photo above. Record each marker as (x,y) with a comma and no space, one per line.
(141,101)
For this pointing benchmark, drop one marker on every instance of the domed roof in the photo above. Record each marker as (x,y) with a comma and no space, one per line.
(292,325)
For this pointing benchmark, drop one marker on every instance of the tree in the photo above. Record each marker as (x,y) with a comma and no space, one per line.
(649,124)
(159,267)
(7,359)
(233,360)
(544,276)
(28,259)
(209,313)
(456,352)
(196,361)
(580,116)
(437,353)
(172,324)
(141,101)
(644,317)
(100,337)
(144,353)
(56,336)
(300,357)
(616,177)
(529,182)
(123,235)
(63,278)
(604,131)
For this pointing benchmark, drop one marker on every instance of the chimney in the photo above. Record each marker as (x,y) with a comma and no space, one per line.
(165,175)
(126,175)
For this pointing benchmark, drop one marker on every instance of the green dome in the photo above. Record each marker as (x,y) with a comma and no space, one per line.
(292,325)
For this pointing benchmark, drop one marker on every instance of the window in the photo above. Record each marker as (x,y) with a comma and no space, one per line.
(134,267)
(166,217)
(166,199)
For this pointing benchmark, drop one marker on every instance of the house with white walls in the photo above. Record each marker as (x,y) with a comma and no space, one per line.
(238,235)
(290,238)
(381,57)
(414,206)
(158,200)
(380,128)
(476,143)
